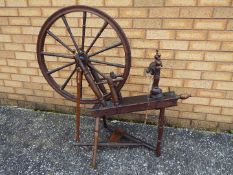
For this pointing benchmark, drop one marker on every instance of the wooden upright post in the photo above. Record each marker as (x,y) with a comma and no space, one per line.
(160,131)
(96,139)
(79,95)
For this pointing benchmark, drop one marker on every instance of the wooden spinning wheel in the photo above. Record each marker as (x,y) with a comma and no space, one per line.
(86,41)
(80,53)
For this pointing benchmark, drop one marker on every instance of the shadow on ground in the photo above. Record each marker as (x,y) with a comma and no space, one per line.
(42,143)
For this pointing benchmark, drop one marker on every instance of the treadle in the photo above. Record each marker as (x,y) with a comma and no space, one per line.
(129,140)
(117,135)
(136,103)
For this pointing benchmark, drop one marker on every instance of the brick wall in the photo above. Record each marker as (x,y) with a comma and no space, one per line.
(195,38)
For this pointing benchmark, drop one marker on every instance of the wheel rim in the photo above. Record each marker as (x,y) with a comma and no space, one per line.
(86,13)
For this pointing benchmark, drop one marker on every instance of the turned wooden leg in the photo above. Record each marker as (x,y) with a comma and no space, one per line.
(78,109)
(160,131)
(95,144)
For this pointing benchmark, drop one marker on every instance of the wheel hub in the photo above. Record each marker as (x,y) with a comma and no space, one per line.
(81,55)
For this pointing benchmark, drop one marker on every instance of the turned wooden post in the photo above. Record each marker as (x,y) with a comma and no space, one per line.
(78,108)
(160,131)
(96,139)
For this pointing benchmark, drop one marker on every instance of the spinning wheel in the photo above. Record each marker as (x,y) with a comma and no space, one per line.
(79,47)
(85,41)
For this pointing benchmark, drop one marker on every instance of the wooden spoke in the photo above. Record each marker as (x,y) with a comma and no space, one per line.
(60,41)
(96,70)
(68,79)
(105,49)
(70,32)
(97,80)
(58,55)
(59,68)
(108,63)
(84,29)
(97,36)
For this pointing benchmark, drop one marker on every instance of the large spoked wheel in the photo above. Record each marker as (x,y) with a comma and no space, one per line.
(82,32)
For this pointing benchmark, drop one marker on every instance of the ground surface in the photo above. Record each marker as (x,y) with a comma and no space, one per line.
(34,142)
